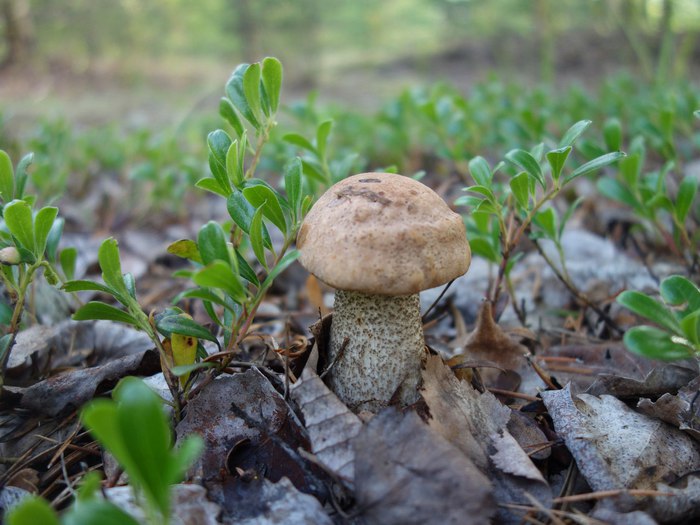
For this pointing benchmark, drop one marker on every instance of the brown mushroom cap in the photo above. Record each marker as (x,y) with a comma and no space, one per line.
(382,233)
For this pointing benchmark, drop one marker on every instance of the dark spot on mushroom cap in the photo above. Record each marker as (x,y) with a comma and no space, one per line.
(370,181)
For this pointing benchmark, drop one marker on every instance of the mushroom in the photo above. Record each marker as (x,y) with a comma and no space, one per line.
(379,239)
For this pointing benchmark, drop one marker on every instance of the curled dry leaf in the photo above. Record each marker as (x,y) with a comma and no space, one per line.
(680,410)
(330,424)
(476,424)
(406,473)
(68,391)
(618,448)
(667,377)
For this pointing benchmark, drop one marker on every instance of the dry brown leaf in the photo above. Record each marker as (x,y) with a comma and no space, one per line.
(330,424)
(406,473)
(476,424)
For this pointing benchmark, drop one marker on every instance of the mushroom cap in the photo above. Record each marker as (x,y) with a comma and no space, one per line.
(382,233)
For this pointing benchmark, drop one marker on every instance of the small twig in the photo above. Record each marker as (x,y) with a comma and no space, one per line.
(346,341)
(642,493)
(436,301)
(580,296)
(510,393)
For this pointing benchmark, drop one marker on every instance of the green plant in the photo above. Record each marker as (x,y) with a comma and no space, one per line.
(677,334)
(660,202)
(501,213)
(133,428)
(28,247)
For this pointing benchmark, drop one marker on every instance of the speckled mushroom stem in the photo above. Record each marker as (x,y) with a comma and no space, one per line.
(384,349)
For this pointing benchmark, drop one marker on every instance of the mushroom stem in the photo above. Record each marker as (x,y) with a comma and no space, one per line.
(384,349)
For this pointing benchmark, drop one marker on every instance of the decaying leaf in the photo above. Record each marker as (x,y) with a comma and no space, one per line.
(618,448)
(330,424)
(261,502)
(68,391)
(681,410)
(476,424)
(406,473)
(667,377)
(248,427)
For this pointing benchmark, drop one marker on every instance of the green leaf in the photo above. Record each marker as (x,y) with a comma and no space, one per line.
(242,212)
(220,275)
(292,184)
(32,510)
(184,457)
(520,186)
(256,240)
(86,286)
(235,92)
(678,291)
(260,194)
(272,81)
(687,190)
(298,140)
(67,259)
(7,178)
(482,190)
(251,90)
(230,115)
(187,249)
(18,217)
(5,318)
(96,512)
(482,248)
(110,263)
(595,164)
(43,222)
(219,143)
(547,220)
(650,309)
(234,166)
(21,174)
(147,439)
(612,189)
(324,129)
(612,132)
(210,184)
(246,271)
(281,266)
(655,344)
(211,242)
(188,369)
(527,162)
(54,238)
(183,325)
(96,311)
(557,159)
(480,171)
(573,133)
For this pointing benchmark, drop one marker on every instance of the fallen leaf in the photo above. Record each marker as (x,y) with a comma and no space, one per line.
(330,424)
(476,424)
(406,473)
(247,425)
(618,448)
(261,502)
(68,391)
(679,410)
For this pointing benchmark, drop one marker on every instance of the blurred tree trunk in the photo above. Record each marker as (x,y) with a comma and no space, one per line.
(18,31)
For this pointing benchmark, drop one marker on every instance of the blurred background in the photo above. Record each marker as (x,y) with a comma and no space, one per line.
(153,61)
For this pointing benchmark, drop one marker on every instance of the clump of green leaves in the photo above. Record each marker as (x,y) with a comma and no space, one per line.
(661,203)
(28,247)
(502,212)
(677,316)
(133,427)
